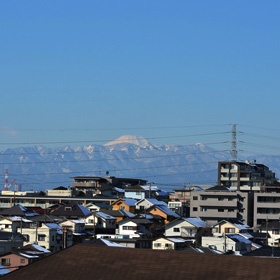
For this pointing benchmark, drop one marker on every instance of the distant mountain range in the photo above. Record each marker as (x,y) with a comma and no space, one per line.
(168,166)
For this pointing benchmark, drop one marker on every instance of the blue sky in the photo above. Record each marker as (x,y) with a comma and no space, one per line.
(96,70)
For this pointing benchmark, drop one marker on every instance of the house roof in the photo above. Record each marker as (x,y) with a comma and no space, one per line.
(105,216)
(167,211)
(270,225)
(70,210)
(139,264)
(153,201)
(18,210)
(196,222)
(236,223)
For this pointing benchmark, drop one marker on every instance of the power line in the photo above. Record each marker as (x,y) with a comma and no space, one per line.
(98,141)
(107,159)
(93,152)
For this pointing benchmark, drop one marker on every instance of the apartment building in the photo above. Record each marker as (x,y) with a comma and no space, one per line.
(266,208)
(244,176)
(221,203)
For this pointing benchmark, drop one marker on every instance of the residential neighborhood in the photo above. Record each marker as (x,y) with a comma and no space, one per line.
(206,220)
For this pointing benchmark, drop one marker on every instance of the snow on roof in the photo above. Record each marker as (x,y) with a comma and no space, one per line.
(196,222)
(40,248)
(28,256)
(167,211)
(105,216)
(129,201)
(77,221)
(19,219)
(246,235)
(156,202)
(239,238)
(130,215)
(240,226)
(111,244)
(53,225)
(153,188)
(177,240)
(84,210)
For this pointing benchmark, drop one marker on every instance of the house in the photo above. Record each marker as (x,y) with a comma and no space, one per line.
(224,227)
(192,228)
(164,212)
(50,236)
(272,231)
(71,211)
(10,241)
(118,214)
(125,204)
(14,223)
(228,243)
(15,260)
(170,243)
(146,203)
(134,227)
(76,226)
(18,210)
(98,206)
(100,222)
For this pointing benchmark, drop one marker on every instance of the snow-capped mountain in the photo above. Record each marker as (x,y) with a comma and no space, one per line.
(169,166)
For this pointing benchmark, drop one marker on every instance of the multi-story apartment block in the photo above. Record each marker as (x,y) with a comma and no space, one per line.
(266,208)
(221,203)
(244,176)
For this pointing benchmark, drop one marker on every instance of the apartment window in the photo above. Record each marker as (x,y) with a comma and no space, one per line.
(203,198)
(230,210)
(203,209)
(230,199)
(275,231)
(176,229)
(5,262)
(195,198)
(22,260)
(41,237)
(221,210)
(220,198)
(157,245)
(194,209)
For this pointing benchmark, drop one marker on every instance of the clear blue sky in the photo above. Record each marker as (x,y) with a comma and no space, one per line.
(105,67)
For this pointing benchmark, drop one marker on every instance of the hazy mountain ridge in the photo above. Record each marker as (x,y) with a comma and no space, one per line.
(40,167)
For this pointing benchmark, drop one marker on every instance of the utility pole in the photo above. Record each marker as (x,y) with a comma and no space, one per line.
(225,242)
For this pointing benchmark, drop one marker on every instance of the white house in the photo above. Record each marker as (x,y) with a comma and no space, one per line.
(185,227)
(149,202)
(134,227)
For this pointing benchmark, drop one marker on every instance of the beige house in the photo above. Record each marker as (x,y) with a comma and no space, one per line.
(169,243)
(225,227)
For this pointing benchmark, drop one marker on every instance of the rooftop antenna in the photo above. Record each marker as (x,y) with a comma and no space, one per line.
(233,149)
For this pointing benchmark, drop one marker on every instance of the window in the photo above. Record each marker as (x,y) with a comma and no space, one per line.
(220,198)
(230,230)
(203,198)
(195,198)
(138,193)
(168,246)
(22,260)
(142,208)
(215,229)
(5,262)
(275,231)
(203,209)
(41,237)
(176,229)
(157,245)
(122,207)
(194,209)
(129,228)
(230,210)
(220,210)
(230,199)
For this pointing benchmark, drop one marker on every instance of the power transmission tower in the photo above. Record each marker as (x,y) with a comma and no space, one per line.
(233,149)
